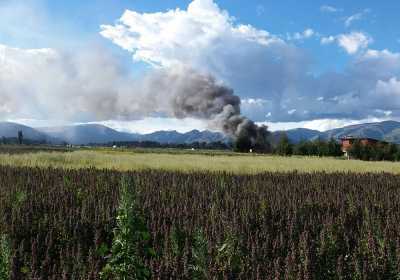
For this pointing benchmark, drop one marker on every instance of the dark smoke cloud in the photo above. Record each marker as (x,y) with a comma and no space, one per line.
(195,95)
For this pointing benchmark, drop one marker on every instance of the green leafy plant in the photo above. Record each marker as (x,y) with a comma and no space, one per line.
(199,256)
(131,239)
(5,258)
(229,255)
(177,241)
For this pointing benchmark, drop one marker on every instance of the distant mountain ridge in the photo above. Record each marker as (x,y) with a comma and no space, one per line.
(296,135)
(10,130)
(100,134)
(87,133)
(386,131)
(174,137)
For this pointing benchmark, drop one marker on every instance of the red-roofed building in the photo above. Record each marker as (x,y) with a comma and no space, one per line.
(348,141)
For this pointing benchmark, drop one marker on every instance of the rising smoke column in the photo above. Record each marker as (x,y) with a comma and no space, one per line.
(180,92)
(196,95)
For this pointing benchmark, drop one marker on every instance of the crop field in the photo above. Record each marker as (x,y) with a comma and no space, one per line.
(141,159)
(110,214)
(60,224)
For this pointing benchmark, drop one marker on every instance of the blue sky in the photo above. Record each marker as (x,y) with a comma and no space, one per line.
(76,22)
(314,72)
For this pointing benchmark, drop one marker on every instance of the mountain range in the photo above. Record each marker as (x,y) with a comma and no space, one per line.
(99,134)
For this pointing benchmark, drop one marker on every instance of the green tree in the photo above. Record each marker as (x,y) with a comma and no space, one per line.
(390,151)
(334,148)
(302,148)
(367,152)
(355,150)
(284,147)
(379,153)
(20,137)
(396,156)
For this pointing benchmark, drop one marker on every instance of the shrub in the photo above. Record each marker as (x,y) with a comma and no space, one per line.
(131,239)
(5,257)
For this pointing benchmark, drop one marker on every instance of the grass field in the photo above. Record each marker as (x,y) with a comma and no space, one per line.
(190,161)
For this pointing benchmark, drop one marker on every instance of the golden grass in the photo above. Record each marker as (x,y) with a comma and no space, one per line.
(248,164)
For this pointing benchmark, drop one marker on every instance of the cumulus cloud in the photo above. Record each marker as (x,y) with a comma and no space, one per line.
(187,36)
(352,42)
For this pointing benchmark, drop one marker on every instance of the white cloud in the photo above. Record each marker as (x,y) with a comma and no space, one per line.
(306,34)
(352,42)
(386,113)
(321,124)
(329,9)
(384,54)
(254,101)
(389,89)
(374,65)
(327,40)
(356,17)
(186,36)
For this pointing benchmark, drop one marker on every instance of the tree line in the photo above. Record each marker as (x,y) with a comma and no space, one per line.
(318,147)
(378,152)
(332,148)
(217,145)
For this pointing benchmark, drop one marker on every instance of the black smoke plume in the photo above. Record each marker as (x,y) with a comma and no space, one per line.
(201,96)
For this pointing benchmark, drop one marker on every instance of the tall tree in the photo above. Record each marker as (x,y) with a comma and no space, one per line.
(284,147)
(20,137)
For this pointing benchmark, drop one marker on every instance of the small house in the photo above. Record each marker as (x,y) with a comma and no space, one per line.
(348,141)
